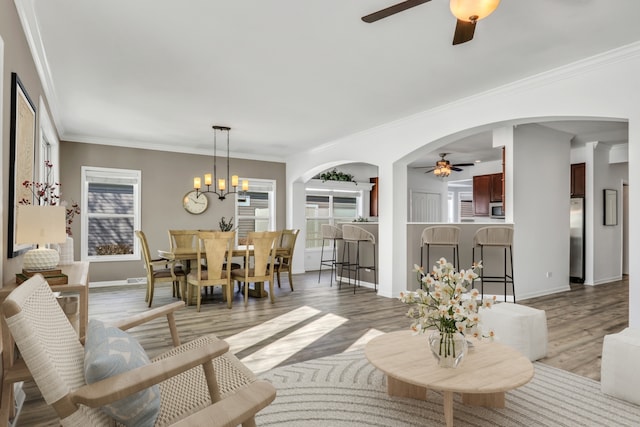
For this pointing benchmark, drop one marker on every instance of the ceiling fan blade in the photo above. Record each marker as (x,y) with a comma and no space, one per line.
(464,32)
(430,170)
(392,10)
(453,168)
(463,164)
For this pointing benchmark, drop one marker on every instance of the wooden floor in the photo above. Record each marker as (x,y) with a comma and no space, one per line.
(318,320)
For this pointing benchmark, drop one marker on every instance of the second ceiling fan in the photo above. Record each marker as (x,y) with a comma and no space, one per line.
(443,167)
(467,12)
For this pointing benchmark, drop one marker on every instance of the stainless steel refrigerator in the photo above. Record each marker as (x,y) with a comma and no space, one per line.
(576,251)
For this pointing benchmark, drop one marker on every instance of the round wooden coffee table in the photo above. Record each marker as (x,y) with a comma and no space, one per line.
(489,369)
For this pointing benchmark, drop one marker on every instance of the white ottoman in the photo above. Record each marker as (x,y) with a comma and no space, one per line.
(619,375)
(521,327)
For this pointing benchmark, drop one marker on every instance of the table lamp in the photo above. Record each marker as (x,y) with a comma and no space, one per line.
(41,225)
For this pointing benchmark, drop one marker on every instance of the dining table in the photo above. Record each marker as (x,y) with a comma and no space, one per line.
(190,254)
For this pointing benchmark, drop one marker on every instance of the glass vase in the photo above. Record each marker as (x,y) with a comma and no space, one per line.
(449,348)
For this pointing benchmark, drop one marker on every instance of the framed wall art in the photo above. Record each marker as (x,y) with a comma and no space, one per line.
(22,139)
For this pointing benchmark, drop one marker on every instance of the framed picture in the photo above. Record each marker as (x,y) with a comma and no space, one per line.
(22,140)
(610,207)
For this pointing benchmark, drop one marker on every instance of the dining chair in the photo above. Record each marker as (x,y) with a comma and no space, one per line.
(158,272)
(108,376)
(284,255)
(215,248)
(183,240)
(262,244)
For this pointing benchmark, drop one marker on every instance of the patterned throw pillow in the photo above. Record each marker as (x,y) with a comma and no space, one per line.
(110,351)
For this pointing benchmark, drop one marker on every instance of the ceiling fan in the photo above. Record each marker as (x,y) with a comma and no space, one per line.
(468,12)
(443,167)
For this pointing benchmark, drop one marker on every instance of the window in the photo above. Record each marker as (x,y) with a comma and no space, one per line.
(49,148)
(466,205)
(255,209)
(110,214)
(329,208)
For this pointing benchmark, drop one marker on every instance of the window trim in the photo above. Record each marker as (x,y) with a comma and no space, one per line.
(332,192)
(135,175)
(272,201)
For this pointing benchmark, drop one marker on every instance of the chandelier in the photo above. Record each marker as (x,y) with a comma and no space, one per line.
(442,169)
(209,180)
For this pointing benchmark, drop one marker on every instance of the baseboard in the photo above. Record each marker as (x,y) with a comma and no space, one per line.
(605,281)
(127,282)
(362,282)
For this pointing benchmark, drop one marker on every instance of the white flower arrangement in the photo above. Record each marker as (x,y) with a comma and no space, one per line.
(441,302)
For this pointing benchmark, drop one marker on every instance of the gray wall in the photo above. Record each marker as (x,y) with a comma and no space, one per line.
(17,58)
(166,178)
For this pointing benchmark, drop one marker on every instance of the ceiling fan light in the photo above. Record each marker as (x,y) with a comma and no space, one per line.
(473,10)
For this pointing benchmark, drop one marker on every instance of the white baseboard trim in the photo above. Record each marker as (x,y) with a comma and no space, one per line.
(128,282)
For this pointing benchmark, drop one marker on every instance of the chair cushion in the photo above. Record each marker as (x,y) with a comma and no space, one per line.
(110,351)
(166,272)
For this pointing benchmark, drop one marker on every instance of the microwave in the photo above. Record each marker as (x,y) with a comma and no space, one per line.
(496,210)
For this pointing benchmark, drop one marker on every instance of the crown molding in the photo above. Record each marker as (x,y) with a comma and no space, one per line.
(173,148)
(27,15)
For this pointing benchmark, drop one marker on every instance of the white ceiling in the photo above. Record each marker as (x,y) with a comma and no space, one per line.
(288,75)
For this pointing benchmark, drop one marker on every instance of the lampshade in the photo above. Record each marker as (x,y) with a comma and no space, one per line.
(41,225)
(473,10)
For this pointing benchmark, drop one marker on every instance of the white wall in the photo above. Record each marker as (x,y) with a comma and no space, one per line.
(427,183)
(604,247)
(541,195)
(596,88)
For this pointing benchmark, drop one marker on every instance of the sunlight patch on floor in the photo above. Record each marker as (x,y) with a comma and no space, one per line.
(280,350)
(252,336)
(364,339)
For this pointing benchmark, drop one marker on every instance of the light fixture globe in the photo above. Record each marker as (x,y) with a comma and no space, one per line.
(473,10)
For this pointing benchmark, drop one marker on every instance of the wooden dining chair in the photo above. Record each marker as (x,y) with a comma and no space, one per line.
(158,272)
(183,240)
(215,248)
(263,246)
(284,255)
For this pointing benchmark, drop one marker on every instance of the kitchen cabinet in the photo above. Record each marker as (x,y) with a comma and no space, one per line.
(496,187)
(373,197)
(578,179)
(486,189)
(481,194)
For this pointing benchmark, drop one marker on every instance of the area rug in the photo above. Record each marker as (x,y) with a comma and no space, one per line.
(346,390)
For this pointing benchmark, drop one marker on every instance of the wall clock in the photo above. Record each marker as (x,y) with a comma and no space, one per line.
(194,203)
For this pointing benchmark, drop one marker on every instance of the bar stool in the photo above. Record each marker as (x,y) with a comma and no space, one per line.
(354,235)
(440,235)
(495,237)
(333,233)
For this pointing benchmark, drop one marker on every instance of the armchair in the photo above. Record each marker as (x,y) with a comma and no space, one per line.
(200,382)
